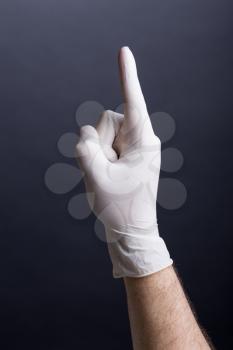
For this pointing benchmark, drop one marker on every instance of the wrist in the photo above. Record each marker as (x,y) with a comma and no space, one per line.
(136,252)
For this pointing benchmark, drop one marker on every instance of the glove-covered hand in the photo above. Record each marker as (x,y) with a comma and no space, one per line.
(121,163)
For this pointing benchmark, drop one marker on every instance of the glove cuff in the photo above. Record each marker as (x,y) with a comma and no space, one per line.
(136,252)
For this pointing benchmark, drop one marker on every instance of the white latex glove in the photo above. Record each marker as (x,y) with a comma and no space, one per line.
(121,162)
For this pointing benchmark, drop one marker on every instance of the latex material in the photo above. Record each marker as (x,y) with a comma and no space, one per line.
(121,161)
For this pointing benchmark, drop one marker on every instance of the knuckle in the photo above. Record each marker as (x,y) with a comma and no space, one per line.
(112,118)
(157,140)
(79,148)
(84,129)
(106,114)
(87,131)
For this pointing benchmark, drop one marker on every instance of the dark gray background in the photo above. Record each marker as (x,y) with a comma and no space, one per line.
(57,291)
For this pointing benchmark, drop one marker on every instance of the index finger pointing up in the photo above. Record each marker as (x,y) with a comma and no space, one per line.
(132,93)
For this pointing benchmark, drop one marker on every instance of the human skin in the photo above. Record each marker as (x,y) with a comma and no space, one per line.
(160,315)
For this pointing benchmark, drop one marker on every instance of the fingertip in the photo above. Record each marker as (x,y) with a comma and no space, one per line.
(127,69)
(88,131)
(124,49)
(125,53)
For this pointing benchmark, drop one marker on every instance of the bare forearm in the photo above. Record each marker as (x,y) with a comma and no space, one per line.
(160,315)
(121,160)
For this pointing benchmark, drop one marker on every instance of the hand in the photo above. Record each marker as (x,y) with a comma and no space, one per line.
(121,162)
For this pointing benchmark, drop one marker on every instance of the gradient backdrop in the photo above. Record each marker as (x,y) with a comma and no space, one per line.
(56,288)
